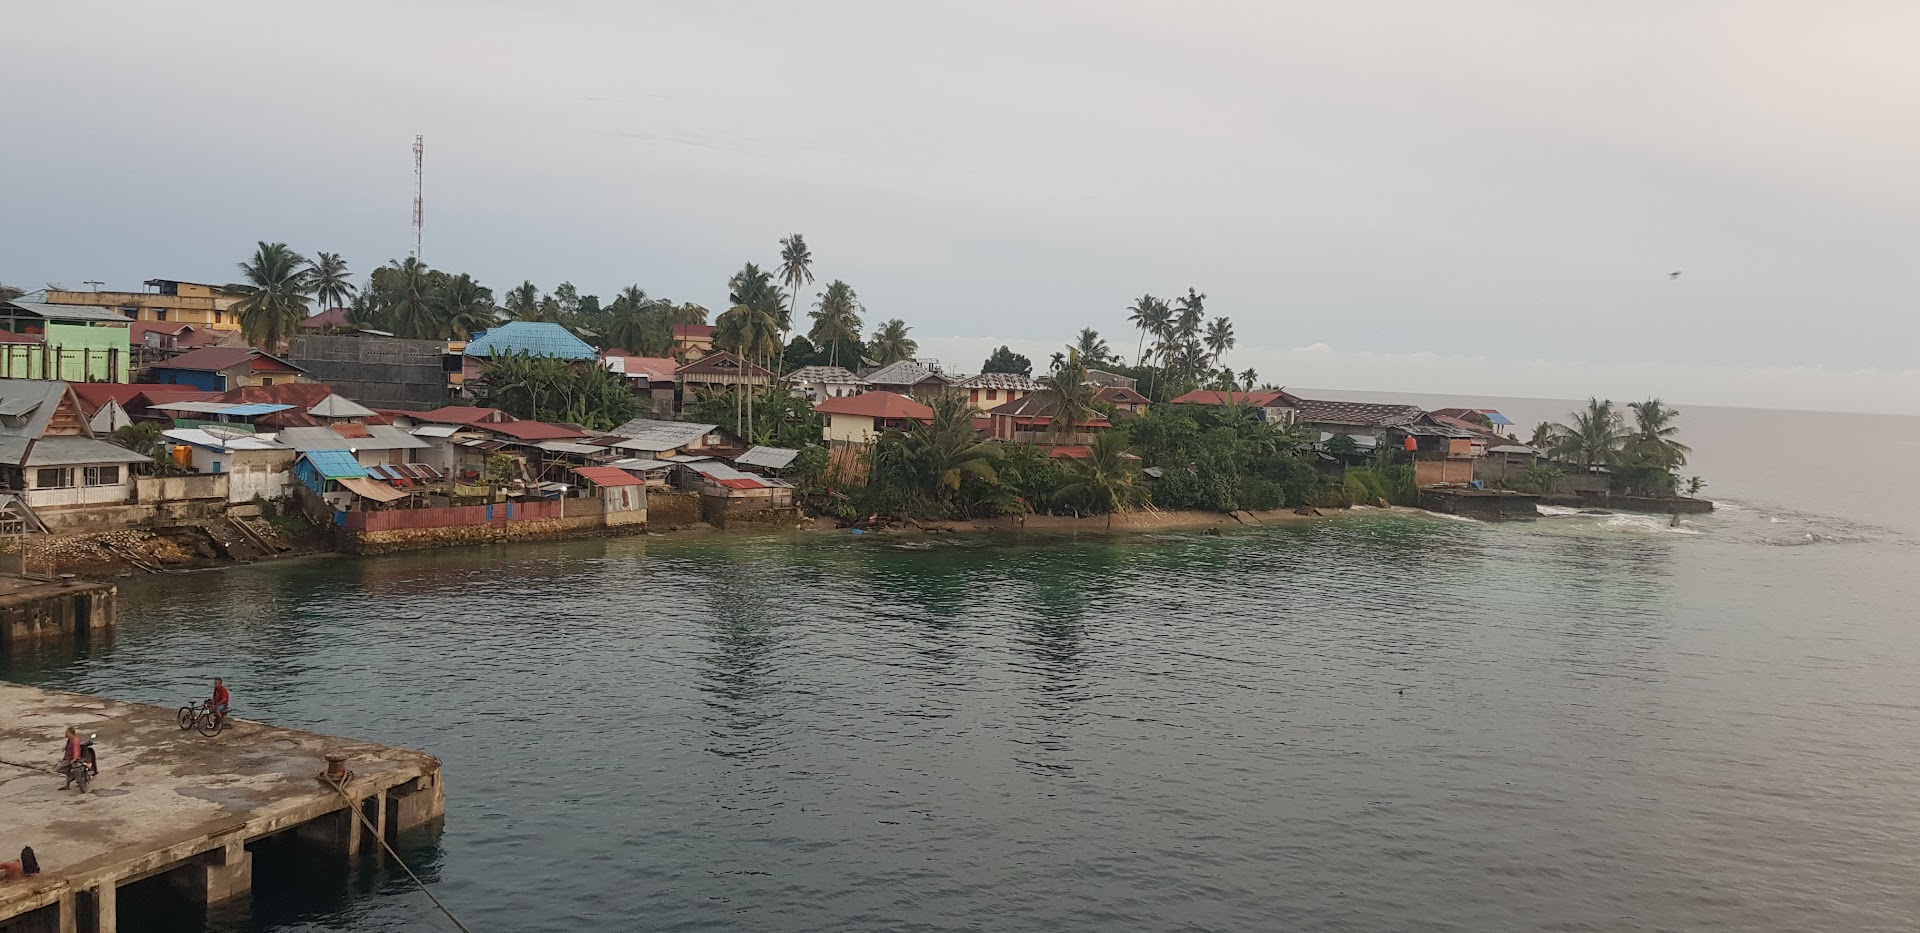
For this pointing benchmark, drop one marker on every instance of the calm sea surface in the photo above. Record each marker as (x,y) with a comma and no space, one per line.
(1387,722)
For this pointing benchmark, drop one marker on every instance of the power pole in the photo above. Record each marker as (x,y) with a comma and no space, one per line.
(419,205)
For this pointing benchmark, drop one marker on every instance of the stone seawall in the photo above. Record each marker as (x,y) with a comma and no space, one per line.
(419,539)
(668,509)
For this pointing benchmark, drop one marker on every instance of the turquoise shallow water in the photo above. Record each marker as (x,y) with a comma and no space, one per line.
(1385,722)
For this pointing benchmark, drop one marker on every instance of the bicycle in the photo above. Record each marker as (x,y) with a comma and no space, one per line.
(200,715)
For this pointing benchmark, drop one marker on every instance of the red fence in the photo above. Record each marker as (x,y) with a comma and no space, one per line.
(499,513)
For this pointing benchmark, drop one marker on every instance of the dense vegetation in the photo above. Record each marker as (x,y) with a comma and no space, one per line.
(1642,456)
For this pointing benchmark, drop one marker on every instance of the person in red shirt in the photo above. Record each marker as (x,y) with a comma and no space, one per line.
(221,698)
(69,755)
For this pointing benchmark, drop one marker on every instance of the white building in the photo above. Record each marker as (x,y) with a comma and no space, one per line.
(823,382)
(50,456)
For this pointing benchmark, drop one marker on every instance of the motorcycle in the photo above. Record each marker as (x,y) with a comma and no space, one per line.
(82,769)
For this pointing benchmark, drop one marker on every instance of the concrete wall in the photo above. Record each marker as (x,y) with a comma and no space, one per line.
(414,539)
(156,489)
(673,508)
(58,611)
(378,372)
(1441,472)
(852,429)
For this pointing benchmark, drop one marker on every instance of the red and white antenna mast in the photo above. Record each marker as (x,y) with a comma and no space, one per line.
(419,206)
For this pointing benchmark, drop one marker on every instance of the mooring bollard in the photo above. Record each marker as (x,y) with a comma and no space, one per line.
(337,768)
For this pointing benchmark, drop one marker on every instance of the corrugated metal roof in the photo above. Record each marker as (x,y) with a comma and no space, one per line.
(71,451)
(254,408)
(905,373)
(640,464)
(435,430)
(772,458)
(335,464)
(1011,381)
(15,407)
(200,437)
(70,312)
(333,406)
(728,476)
(648,434)
(608,476)
(835,375)
(533,338)
(378,437)
(562,447)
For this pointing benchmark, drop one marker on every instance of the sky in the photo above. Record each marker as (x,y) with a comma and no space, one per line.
(1482,198)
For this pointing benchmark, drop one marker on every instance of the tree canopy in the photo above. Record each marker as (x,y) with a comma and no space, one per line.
(1004,360)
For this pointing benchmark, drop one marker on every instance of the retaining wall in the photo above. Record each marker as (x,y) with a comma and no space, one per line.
(434,536)
(55,610)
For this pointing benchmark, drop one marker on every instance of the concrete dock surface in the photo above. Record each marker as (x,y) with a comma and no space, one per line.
(173,802)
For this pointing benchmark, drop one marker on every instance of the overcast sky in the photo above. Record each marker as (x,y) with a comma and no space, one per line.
(1479,197)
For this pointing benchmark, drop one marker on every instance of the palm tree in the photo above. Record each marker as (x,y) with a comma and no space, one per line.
(1542,436)
(523,302)
(416,308)
(935,460)
(891,343)
(275,294)
(1107,480)
(1653,438)
(796,269)
(836,319)
(1070,392)
(1591,437)
(464,306)
(331,286)
(1219,337)
(1249,378)
(1150,315)
(1092,349)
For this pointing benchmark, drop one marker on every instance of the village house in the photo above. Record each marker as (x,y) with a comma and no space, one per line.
(989,391)
(171,337)
(719,373)
(1104,379)
(652,378)
(820,382)
(1122,398)
(858,419)
(370,444)
(652,439)
(1480,419)
(692,341)
(1274,405)
(104,404)
(1371,420)
(218,369)
(50,457)
(74,344)
(329,319)
(1030,421)
(522,338)
(206,306)
(256,465)
(918,379)
(622,495)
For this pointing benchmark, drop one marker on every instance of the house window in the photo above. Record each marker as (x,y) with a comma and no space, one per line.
(159,314)
(103,476)
(53,478)
(973,395)
(219,317)
(993,395)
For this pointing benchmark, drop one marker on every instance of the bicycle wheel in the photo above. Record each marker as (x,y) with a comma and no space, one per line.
(186,717)
(210,725)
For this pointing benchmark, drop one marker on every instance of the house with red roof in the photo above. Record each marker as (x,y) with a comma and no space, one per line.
(1276,406)
(1122,398)
(692,341)
(217,369)
(858,419)
(1030,421)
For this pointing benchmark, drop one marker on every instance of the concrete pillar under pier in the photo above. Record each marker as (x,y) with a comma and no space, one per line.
(214,876)
(99,909)
(419,802)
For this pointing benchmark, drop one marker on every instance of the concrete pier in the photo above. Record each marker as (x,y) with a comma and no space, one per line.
(37,610)
(177,813)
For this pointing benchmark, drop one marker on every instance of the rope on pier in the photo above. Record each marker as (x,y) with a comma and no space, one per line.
(374,831)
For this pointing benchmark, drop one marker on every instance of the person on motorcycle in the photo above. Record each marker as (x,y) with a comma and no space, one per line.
(221,699)
(70,755)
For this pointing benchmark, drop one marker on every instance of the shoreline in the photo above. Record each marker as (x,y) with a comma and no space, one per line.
(1122,523)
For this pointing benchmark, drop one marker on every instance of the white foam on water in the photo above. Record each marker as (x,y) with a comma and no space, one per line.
(1556,511)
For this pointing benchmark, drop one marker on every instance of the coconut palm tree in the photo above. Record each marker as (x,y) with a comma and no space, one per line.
(1542,438)
(1652,441)
(1106,481)
(523,302)
(415,309)
(836,319)
(1592,437)
(796,269)
(331,285)
(275,295)
(1070,393)
(1149,315)
(1093,350)
(463,307)
(1219,337)
(890,344)
(1249,377)
(936,460)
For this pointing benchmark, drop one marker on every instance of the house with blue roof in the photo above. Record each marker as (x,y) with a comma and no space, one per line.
(323,471)
(531,338)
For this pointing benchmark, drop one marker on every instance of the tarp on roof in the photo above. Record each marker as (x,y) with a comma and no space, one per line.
(366,488)
(771,458)
(72,451)
(608,476)
(335,464)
